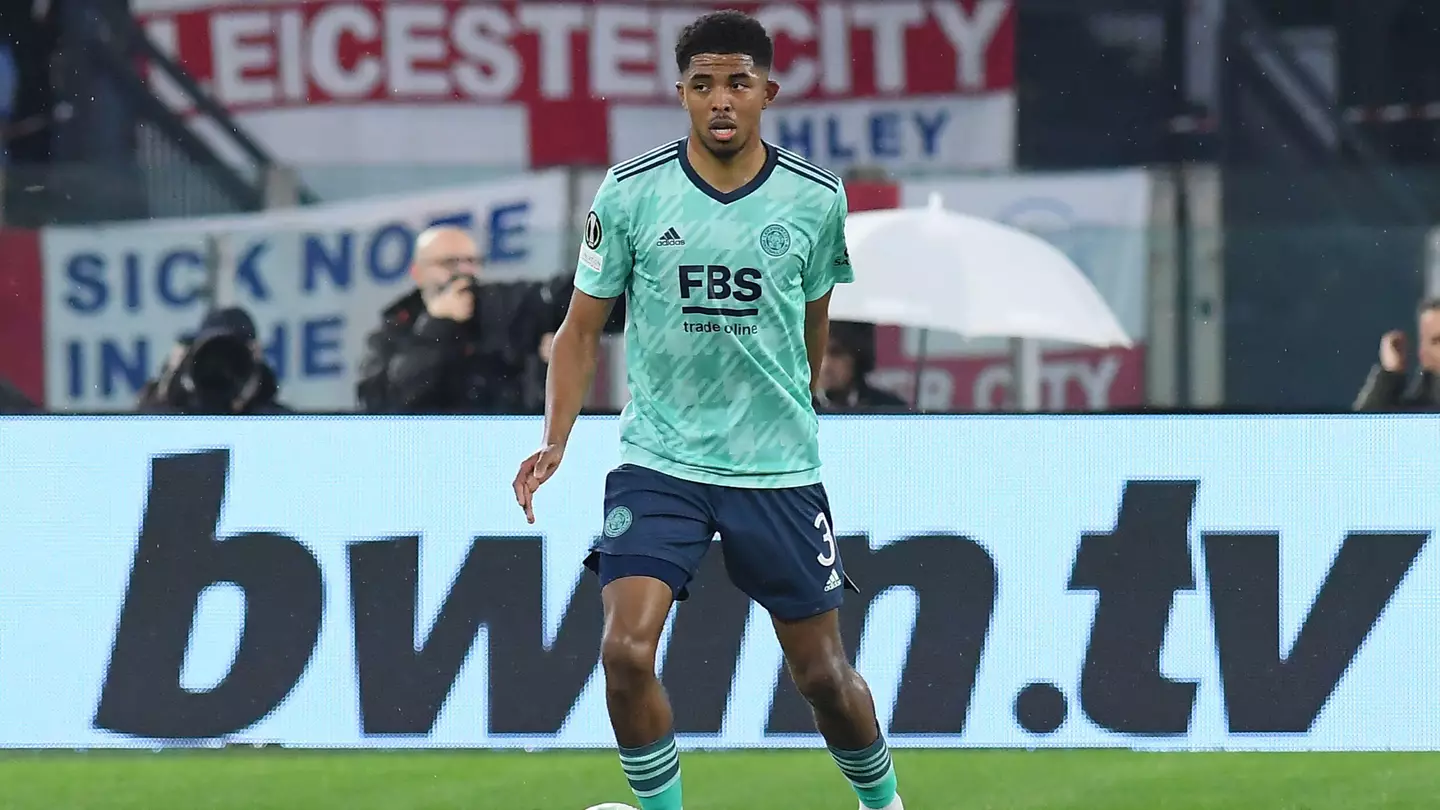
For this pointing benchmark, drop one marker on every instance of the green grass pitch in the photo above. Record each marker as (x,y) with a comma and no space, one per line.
(768,780)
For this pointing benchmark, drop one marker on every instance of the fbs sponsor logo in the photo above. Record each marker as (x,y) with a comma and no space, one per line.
(717,284)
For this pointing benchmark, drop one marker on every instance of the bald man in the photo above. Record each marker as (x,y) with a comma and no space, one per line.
(450,345)
(446,265)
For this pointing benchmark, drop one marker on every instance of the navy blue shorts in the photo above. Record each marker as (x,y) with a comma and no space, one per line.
(779,544)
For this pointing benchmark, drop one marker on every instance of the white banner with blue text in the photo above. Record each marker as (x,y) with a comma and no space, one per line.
(315,279)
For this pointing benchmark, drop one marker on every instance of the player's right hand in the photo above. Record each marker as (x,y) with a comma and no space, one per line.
(535,471)
(454,302)
(1392,351)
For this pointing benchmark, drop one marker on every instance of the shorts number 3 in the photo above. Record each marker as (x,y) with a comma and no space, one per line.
(828,556)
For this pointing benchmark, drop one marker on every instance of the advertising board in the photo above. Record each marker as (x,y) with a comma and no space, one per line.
(1176,583)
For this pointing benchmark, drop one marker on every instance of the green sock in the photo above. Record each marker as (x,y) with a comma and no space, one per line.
(871,773)
(653,772)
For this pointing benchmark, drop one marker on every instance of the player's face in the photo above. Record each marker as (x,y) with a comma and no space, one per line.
(725,94)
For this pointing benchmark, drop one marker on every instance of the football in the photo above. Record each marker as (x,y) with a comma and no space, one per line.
(611,806)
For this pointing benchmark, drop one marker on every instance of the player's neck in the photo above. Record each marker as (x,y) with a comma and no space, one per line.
(726,175)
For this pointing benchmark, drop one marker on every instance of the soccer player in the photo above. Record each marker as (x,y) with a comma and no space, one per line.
(727,249)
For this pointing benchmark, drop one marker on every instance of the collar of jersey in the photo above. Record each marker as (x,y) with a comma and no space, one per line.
(772,155)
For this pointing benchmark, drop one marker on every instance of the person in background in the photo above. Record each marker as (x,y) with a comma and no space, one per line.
(220,370)
(557,295)
(453,345)
(1385,389)
(849,359)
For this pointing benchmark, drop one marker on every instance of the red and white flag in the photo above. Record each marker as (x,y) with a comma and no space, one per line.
(903,84)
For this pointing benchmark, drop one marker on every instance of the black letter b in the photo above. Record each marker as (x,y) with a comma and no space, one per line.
(177,558)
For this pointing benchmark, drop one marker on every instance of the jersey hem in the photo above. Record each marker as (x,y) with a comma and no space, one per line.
(640,457)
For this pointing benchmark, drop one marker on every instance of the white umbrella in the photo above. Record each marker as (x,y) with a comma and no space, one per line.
(931,268)
(937,269)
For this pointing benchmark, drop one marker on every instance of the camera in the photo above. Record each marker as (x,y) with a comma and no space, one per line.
(219,374)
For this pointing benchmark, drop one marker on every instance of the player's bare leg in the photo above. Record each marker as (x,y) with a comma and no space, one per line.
(815,655)
(635,613)
(843,707)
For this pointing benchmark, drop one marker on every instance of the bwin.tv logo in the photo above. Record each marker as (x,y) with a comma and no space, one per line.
(1135,570)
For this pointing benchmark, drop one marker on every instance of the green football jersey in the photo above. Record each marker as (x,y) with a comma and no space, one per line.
(716,285)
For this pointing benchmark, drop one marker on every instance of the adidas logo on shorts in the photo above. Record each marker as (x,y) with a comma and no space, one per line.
(834,581)
(671,238)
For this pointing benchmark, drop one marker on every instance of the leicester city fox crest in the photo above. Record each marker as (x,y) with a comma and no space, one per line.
(775,240)
(618,521)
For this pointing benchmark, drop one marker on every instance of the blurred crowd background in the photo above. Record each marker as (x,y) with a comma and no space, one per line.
(211,207)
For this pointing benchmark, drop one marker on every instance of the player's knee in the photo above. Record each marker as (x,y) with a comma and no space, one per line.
(823,682)
(629,660)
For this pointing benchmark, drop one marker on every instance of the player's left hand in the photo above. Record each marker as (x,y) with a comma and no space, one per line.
(535,471)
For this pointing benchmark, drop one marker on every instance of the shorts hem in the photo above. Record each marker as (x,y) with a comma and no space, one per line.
(593,555)
(592,563)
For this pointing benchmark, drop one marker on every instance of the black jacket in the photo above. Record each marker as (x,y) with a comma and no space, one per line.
(1387,391)
(266,399)
(161,395)
(865,397)
(418,364)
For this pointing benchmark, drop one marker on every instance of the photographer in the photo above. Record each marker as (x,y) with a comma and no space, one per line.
(218,371)
(1389,387)
(454,345)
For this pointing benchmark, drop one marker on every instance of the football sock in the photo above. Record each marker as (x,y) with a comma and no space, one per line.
(654,773)
(871,773)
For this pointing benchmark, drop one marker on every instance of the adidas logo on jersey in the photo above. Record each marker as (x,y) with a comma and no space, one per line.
(834,581)
(671,238)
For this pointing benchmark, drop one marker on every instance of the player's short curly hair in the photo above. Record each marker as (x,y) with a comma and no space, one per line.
(728,32)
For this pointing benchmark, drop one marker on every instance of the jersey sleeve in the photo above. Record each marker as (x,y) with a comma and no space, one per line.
(606,258)
(830,257)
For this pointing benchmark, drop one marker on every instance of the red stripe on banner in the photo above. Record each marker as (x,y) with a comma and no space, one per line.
(1073,380)
(22,312)
(872,196)
(566,133)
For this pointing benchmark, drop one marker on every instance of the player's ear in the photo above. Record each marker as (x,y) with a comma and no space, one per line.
(680,94)
(772,89)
